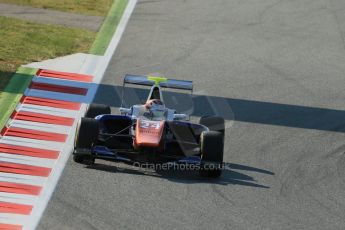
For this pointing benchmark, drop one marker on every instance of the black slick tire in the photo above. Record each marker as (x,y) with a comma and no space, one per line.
(97,109)
(212,150)
(86,137)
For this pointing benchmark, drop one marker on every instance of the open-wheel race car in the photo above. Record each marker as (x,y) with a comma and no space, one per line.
(151,132)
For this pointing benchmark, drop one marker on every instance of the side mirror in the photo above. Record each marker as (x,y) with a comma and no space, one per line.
(125,111)
(180,116)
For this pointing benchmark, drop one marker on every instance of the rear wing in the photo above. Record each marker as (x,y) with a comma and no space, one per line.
(160,81)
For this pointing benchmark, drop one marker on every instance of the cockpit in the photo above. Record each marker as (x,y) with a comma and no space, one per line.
(155,110)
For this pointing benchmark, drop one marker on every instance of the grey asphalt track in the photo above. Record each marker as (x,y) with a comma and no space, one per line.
(279,67)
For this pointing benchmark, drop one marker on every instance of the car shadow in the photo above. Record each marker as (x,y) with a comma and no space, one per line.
(260,112)
(232,109)
(230,174)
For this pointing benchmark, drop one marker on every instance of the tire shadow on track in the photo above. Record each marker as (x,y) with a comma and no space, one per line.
(228,177)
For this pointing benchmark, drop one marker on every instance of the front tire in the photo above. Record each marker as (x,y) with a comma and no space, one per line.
(86,137)
(212,151)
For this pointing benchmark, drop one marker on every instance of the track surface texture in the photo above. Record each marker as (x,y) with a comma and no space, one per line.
(279,66)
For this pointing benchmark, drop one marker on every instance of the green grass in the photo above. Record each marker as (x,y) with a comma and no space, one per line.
(90,7)
(24,42)
(10,97)
(108,28)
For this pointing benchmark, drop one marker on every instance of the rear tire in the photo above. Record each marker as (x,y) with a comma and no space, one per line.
(212,151)
(86,137)
(97,109)
(213,123)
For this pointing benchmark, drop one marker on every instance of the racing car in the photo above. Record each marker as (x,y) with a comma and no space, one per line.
(151,132)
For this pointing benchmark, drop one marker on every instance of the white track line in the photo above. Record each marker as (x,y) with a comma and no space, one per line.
(48,110)
(23,179)
(101,68)
(26,142)
(40,126)
(20,159)
(57,170)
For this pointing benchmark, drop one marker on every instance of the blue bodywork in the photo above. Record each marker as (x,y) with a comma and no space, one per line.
(106,154)
(105,117)
(106,121)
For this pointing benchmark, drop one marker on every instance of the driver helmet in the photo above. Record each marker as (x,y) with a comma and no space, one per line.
(155,105)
